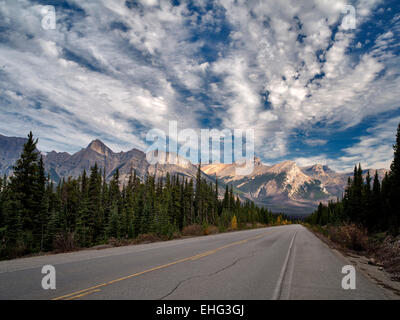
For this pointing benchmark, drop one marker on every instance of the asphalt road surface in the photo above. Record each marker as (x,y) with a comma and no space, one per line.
(285,262)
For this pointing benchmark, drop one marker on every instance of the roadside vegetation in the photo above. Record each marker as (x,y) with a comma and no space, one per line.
(38,216)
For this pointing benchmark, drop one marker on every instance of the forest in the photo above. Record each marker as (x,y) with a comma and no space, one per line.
(368,202)
(37,215)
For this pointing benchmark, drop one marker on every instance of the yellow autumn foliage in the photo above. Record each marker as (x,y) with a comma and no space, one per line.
(234,223)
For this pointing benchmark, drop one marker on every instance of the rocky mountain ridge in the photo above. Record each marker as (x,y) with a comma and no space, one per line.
(282,187)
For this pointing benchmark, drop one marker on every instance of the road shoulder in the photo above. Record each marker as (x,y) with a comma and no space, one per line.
(374,273)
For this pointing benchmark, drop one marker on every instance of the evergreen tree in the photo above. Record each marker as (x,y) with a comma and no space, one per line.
(394,193)
(42,206)
(377,209)
(376,205)
(24,192)
(114,227)
(198,196)
(13,233)
(95,221)
(385,203)
(1,206)
(86,210)
(368,214)
(225,201)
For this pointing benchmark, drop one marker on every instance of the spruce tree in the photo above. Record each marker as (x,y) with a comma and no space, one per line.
(367,218)
(376,204)
(13,233)
(114,226)
(24,192)
(385,203)
(95,223)
(42,207)
(225,201)
(1,207)
(394,193)
(198,196)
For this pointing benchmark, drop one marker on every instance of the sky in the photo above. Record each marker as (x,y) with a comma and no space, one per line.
(313,87)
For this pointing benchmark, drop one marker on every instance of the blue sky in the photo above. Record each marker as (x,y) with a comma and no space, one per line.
(312,90)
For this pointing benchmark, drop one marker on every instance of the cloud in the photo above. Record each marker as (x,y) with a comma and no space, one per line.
(373,151)
(94,73)
(116,69)
(315,142)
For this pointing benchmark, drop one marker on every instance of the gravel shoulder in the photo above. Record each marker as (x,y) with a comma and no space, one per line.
(367,265)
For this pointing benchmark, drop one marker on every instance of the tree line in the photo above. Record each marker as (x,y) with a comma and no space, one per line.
(35,213)
(369,202)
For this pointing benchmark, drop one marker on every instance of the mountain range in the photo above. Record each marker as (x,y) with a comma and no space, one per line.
(281,187)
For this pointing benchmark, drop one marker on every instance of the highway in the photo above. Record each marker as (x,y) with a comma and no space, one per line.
(283,262)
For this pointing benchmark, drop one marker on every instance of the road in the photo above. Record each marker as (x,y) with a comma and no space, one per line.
(284,262)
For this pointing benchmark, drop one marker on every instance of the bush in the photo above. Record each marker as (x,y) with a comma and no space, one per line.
(222,228)
(351,236)
(114,242)
(193,230)
(147,238)
(211,229)
(64,242)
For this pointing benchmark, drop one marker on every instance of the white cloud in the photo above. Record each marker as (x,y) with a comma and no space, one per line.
(147,71)
(315,142)
(270,59)
(373,151)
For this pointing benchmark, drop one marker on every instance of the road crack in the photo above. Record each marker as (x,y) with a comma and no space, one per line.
(207,275)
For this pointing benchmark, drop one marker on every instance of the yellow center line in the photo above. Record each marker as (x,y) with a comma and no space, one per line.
(93,289)
(84,294)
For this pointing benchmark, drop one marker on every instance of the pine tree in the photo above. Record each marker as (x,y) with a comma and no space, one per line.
(376,204)
(40,225)
(198,199)
(217,206)
(13,233)
(89,210)
(114,227)
(367,218)
(95,223)
(129,207)
(52,229)
(23,186)
(394,193)
(139,206)
(385,203)
(104,199)
(225,201)
(1,207)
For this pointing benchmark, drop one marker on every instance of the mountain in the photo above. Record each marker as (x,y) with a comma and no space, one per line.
(10,150)
(61,165)
(286,186)
(333,182)
(281,187)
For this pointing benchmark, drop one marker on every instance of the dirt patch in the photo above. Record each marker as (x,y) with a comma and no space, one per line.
(387,254)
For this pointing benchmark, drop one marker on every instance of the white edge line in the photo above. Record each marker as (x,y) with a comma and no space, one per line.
(278,288)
